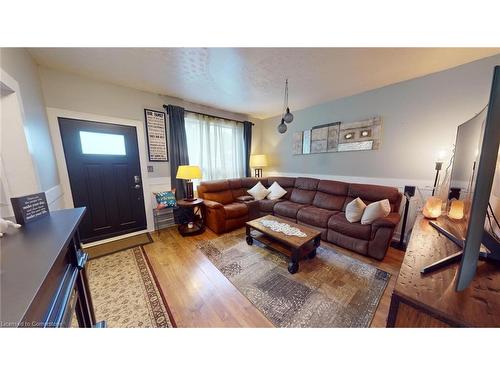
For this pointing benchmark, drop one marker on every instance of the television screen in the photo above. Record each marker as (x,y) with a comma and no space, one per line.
(476,175)
(463,174)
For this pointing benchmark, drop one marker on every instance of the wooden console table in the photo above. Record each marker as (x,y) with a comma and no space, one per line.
(431,300)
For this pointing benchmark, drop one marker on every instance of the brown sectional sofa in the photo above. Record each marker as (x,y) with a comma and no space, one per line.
(319,204)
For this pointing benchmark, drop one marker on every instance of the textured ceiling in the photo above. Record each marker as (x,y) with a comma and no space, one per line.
(251,80)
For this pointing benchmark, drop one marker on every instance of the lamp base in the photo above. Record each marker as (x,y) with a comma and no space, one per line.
(189,191)
(258,172)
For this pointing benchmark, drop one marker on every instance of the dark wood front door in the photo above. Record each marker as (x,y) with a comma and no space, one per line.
(105,176)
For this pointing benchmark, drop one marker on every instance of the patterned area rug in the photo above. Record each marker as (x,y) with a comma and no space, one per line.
(331,290)
(124,292)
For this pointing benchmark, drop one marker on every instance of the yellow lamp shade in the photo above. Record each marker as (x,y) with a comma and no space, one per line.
(188,172)
(432,208)
(456,210)
(258,161)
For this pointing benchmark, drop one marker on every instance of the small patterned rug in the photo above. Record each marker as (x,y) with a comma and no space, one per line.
(124,292)
(331,290)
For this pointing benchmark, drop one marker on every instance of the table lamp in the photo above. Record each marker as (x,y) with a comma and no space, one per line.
(188,172)
(432,208)
(456,209)
(257,162)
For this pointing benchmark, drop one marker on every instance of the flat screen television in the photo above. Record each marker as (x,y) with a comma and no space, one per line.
(475,180)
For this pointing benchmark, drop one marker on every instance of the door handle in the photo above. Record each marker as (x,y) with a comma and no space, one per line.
(137,187)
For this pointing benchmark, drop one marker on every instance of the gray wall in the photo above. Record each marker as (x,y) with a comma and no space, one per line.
(80,94)
(419,117)
(17,62)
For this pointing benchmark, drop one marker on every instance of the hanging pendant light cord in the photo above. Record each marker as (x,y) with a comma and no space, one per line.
(285,100)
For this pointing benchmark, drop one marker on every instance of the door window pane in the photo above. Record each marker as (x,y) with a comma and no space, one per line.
(102,143)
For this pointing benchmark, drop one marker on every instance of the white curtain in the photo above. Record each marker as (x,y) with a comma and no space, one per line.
(216,145)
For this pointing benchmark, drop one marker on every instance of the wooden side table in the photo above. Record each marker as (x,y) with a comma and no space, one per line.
(431,300)
(197,226)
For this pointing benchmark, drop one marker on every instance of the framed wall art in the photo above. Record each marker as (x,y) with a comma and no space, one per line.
(156,131)
(364,135)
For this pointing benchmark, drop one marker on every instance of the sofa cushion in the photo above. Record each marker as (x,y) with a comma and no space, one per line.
(223,197)
(287,183)
(331,195)
(306,183)
(354,210)
(249,182)
(315,216)
(373,193)
(212,186)
(276,191)
(236,188)
(340,224)
(304,190)
(376,210)
(244,198)
(235,210)
(267,205)
(235,183)
(258,192)
(288,209)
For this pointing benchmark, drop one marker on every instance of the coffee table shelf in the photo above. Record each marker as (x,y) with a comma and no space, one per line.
(295,244)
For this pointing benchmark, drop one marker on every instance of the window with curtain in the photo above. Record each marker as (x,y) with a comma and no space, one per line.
(216,145)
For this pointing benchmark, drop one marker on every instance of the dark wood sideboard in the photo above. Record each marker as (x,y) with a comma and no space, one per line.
(42,274)
(431,300)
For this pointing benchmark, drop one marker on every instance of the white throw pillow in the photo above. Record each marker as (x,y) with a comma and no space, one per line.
(275,191)
(376,210)
(258,192)
(354,210)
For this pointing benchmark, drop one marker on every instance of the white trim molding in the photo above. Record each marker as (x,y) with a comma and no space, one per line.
(53,115)
(54,197)
(423,191)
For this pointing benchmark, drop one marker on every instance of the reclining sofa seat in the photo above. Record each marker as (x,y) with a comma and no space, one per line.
(319,204)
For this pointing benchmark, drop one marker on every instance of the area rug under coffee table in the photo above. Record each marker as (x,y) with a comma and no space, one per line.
(124,292)
(331,290)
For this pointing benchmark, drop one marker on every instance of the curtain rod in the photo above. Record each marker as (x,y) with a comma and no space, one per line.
(205,114)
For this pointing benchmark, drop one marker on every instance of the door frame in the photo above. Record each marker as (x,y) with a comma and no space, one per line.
(53,115)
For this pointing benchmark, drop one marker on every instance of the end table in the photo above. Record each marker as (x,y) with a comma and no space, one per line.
(197,226)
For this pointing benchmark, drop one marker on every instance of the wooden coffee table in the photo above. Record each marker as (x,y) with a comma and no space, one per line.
(295,244)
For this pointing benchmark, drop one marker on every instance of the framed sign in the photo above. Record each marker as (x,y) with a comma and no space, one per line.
(29,207)
(156,131)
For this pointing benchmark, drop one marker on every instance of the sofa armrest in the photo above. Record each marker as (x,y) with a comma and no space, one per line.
(212,204)
(215,216)
(390,221)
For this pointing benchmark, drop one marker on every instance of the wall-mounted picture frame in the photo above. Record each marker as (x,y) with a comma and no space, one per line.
(156,134)
(363,135)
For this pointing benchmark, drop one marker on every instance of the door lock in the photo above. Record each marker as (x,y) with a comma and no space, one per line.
(137,179)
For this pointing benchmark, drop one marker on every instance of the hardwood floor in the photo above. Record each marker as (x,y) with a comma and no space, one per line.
(200,296)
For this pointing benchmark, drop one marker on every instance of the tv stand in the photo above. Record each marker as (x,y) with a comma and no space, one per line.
(493,256)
